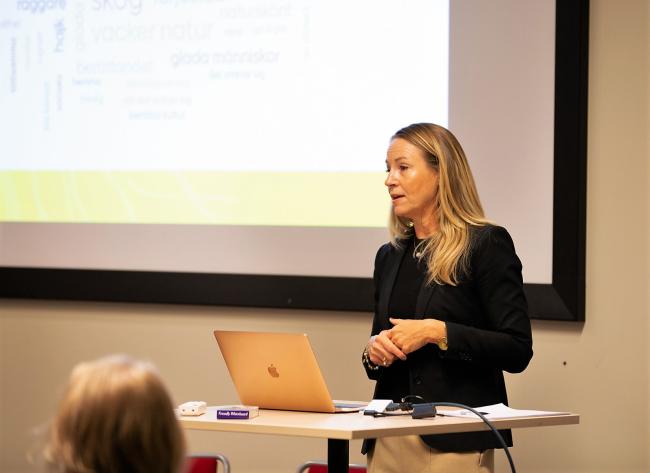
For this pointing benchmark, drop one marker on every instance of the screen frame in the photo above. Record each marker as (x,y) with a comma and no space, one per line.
(562,300)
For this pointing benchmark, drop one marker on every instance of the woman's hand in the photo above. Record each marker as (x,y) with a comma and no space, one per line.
(382,351)
(409,335)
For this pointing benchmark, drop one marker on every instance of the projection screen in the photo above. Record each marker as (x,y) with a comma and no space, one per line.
(202,151)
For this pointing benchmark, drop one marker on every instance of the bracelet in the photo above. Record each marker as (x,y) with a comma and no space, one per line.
(365,359)
(442,343)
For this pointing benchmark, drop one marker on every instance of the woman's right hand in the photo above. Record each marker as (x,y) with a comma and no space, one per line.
(382,351)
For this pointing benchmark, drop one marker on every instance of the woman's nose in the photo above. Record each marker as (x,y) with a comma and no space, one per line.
(390,179)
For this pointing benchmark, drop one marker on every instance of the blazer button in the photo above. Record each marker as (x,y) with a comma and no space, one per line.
(418,380)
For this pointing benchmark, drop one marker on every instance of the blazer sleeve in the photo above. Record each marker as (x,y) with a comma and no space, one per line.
(380,260)
(503,337)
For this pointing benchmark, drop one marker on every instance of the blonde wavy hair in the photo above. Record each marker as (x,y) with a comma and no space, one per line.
(458,206)
(115,416)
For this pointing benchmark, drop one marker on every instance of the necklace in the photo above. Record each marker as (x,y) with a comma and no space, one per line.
(418,251)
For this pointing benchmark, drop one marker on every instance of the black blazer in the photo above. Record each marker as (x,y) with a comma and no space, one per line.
(488,331)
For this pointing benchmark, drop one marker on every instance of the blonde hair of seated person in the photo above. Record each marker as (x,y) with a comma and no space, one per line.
(116,416)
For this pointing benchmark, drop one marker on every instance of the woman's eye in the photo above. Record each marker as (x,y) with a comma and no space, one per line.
(403,167)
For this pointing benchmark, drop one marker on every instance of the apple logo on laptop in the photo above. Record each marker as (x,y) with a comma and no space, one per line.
(273,371)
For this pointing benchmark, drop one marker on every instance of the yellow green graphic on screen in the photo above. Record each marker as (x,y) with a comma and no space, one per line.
(224,198)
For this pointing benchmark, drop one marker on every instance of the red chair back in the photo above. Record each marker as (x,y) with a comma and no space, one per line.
(201,465)
(207,463)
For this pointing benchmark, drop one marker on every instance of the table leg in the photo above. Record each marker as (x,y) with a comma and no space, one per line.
(338,455)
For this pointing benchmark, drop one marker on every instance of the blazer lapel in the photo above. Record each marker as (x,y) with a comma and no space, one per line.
(424,296)
(388,281)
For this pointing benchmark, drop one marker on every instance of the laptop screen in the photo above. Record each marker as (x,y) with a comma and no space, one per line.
(275,370)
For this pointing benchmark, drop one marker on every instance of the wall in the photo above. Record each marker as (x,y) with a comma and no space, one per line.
(600,369)
(647,217)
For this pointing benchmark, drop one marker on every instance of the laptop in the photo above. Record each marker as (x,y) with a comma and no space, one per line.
(277,371)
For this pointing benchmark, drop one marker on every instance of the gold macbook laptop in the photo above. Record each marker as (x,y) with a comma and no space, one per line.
(277,371)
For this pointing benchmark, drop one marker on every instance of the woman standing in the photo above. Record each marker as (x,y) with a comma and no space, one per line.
(450,311)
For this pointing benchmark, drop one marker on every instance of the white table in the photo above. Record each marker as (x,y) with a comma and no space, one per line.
(339,429)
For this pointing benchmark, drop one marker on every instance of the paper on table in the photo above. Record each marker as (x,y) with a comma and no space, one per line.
(498,411)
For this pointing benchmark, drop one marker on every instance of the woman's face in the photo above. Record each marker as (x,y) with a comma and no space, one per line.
(412,182)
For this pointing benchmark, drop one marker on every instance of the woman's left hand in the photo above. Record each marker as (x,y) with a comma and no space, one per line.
(410,335)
